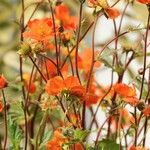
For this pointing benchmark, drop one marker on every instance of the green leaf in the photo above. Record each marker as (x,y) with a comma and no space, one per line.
(80,135)
(15,134)
(106,57)
(107,144)
(46,138)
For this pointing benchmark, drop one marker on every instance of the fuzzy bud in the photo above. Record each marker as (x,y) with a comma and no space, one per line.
(25,49)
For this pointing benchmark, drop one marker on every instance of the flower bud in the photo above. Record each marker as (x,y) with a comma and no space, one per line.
(25,49)
(140,106)
(140,71)
(3,82)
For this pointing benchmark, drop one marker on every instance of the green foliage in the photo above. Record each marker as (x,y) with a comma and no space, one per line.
(16,112)
(80,135)
(45,139)
(15,134)
(107,144)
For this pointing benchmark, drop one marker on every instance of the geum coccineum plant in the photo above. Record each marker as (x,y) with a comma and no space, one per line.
(60,102)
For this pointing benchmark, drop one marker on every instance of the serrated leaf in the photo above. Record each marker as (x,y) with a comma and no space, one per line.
(80,135)
(45,139)
(15,134)
(107,144)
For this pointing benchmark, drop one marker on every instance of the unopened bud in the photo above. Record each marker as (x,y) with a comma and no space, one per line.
(25,49)
(140,106)
(141,71)
(3,82)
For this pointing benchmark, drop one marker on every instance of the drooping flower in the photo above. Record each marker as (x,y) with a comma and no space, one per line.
(127,93)
(124,90)
(55,85)
(66,20)
(3,82)
(40,30)
(100,3)
(131,100)
(111,13)
(126,118)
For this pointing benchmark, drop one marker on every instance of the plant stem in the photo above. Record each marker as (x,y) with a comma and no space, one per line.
(145,53)
(38,69)
(21,76)
(99,131)
(41,130)
(71,63)
(144,70)
(5,119)
(91,69)
(55,37)
(81,38)
(77,43)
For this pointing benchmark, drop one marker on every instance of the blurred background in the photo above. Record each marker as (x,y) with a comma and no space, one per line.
(10,13)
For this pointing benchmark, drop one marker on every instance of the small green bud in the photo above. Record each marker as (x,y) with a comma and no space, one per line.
(25,49)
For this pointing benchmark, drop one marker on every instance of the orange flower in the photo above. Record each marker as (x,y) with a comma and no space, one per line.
(30,86)
(112,13)
(3,82)
(92,3)
(67,21)
(85,60)
(124,90)
(93,95)
(144,1)
(90,99)
(57,141)
(1,106)
(126,118)
(131,100)
(146,111)
(100,3)
(40,30)
(55,85)
(52,70)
